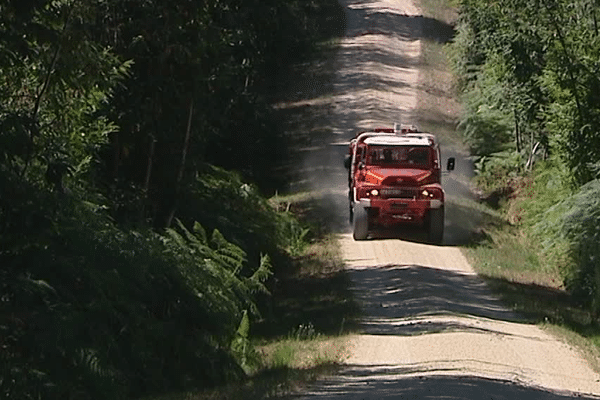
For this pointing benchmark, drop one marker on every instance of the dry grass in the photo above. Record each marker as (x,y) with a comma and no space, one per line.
(437,106)
(309,315)
(305,353)
(500,253)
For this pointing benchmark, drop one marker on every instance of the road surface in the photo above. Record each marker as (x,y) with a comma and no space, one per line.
(431,327)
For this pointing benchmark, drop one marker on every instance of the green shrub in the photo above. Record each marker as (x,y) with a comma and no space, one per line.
(95,312)
(549,185)
(221,200)
(497,170)
(571,229)
(485,122)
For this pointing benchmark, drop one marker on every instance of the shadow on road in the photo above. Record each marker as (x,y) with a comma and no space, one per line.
(408,27)
(372,79)
(389,382)
(326,100)
(392,296)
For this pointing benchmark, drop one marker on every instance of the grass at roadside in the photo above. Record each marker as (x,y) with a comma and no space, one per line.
(513,270)
(504,252)
(270,383)
(442,10)
(287,364)
(312,310)
(307,318)
(313,290)
(501,253)
(437,106)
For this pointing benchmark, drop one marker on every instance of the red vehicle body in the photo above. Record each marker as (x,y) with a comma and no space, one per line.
(394,178)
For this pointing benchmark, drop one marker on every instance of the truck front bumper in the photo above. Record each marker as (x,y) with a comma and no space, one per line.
(389,212)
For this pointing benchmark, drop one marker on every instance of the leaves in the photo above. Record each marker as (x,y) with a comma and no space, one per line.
(94,107)
(538,60)
(571,228)
(531,79)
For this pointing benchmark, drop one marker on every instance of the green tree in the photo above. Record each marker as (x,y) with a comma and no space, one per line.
(539,63)
(194,95)
(549,52)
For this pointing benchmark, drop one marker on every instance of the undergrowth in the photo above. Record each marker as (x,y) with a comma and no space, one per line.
(305,321)
(94,304)
(541,255)
(120,311)
(539,244)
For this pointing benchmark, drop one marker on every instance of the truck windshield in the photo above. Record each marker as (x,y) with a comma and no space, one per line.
(402,156)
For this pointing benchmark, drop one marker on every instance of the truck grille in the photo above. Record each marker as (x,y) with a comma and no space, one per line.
(399,193)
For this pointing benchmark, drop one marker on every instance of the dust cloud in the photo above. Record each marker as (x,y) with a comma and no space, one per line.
(373,78)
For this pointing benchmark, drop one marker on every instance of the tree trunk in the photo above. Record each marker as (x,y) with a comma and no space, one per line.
(184,151)
(570,60)
(149,162)
(146,188)
(593,8)
(531,159)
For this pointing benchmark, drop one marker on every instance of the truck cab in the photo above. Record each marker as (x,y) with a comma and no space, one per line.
(394,178)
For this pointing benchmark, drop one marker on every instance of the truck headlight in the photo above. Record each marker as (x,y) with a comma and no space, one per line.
(431,193)
(374,192)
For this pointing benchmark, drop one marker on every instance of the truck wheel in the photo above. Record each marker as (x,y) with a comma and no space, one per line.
(435,225)
(361,223)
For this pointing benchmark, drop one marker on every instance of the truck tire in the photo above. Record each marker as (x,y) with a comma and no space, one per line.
(360,223)
(435,225)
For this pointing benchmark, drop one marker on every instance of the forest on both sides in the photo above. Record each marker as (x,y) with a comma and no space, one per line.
(529,75)
(136,147)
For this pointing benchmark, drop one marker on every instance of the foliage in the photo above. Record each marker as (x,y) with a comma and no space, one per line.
(542,56)
(297,236)
(548,185)
(497,171)
(109,111)
(54,79)
(220,199)
(196,94)
(304,332)
(572,230)
(529,73)
(147,313)
(485,124)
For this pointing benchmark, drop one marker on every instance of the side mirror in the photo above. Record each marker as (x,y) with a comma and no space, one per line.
(451,163)
(347,161)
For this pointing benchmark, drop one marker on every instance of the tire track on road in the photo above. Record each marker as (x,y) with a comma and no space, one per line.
(431,327)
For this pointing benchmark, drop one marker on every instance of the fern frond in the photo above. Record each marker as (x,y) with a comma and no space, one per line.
(264,271)
(217,240)
(231,257)
(91,362)
(188,235)
(38,286)
(200,233)
(176,238)
(193,241)
(244,328)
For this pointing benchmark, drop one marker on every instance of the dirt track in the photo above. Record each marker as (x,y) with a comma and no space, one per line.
(431,327)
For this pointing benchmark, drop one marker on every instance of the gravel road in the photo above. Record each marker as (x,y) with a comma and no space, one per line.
(431,328)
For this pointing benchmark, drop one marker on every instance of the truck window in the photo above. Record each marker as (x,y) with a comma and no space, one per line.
(402,156)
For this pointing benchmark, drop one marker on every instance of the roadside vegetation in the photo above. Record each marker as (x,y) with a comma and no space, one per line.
(528,78)
(306,319)
(137,245)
